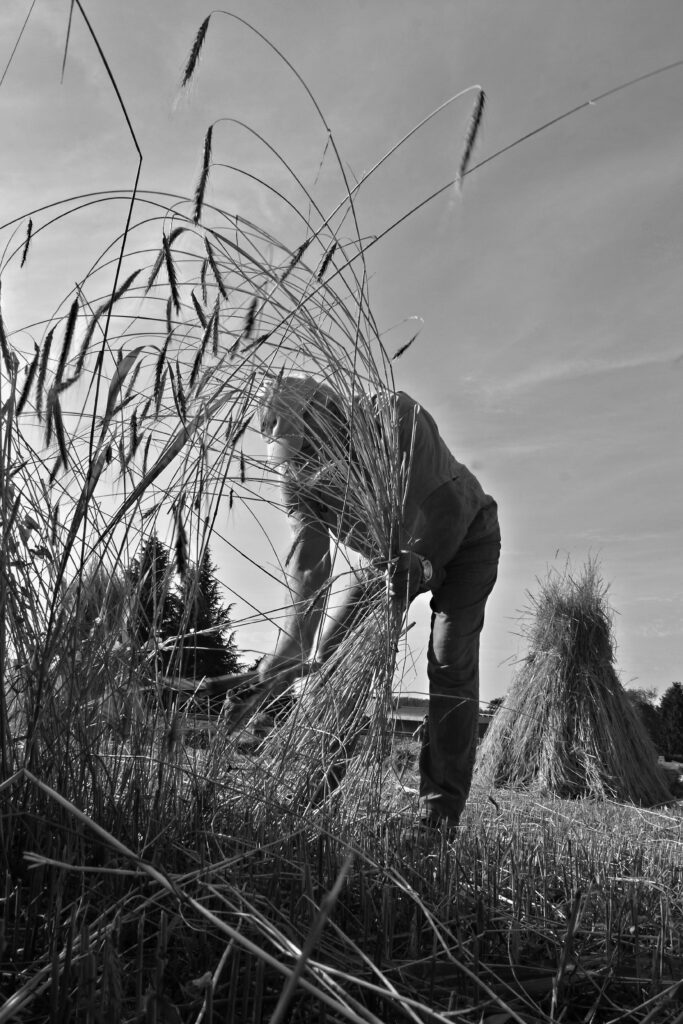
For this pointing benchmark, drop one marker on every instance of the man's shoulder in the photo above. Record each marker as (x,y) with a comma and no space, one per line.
(401,401)
(404,399)
(409,406)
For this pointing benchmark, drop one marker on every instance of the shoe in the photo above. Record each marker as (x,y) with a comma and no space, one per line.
(436,821)
(438,813)
(431,828)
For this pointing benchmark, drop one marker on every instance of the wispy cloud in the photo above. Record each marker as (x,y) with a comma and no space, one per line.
(659,629)
(538,376)
(518,449)
(640,537)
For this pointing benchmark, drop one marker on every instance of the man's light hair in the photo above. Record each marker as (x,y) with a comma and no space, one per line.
(298,410)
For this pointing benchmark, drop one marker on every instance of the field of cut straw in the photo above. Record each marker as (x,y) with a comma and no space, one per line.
(538,910)
(147,874)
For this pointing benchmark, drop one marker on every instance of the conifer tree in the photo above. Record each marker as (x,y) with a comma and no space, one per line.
(156,611)
(671,717)
(211,653)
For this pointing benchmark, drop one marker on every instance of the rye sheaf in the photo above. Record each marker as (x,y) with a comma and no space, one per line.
(567,727)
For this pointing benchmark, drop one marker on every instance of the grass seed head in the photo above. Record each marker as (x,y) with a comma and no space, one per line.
(404,348)
(202,280)
(159,387)
(156,267)
(196,50)
(171,273)
(472,133)
(218,277)
(295,260)
(250,318)
(27,241)
(215,325)
(180,544)
(60,433)
(30,376)
(201,316)
(66,344)
(203,176)
(327,259)
(145,455)
(42,371)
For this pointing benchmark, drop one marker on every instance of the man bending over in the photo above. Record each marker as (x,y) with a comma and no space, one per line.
(449,545)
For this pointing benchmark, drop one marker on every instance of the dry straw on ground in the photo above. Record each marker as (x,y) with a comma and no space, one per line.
(567,727)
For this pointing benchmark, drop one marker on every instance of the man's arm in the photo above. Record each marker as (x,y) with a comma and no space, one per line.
(439,532)
(308,573)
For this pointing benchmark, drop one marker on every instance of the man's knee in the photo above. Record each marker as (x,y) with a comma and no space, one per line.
(453,655)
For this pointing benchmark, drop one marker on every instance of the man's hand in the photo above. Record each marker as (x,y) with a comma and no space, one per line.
(260,687)
(406,574)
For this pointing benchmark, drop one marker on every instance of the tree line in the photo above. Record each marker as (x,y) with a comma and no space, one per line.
(663,719)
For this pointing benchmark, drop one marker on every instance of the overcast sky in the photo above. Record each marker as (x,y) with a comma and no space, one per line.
(550,289)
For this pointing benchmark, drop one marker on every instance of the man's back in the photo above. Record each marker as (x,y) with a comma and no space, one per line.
(431,464)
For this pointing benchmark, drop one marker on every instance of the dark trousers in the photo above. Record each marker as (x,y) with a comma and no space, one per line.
(449,745)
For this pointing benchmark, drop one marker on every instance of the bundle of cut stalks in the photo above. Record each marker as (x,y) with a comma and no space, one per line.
(340,715)
(567,726)
(342,709)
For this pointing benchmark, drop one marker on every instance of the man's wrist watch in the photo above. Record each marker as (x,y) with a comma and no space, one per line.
(427,571)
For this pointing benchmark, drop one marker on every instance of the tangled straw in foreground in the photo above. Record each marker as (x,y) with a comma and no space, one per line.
(140,401)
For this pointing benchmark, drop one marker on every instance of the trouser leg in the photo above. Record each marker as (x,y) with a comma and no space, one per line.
(450,740)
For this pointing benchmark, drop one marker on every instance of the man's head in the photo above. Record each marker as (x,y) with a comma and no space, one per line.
(301,418)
